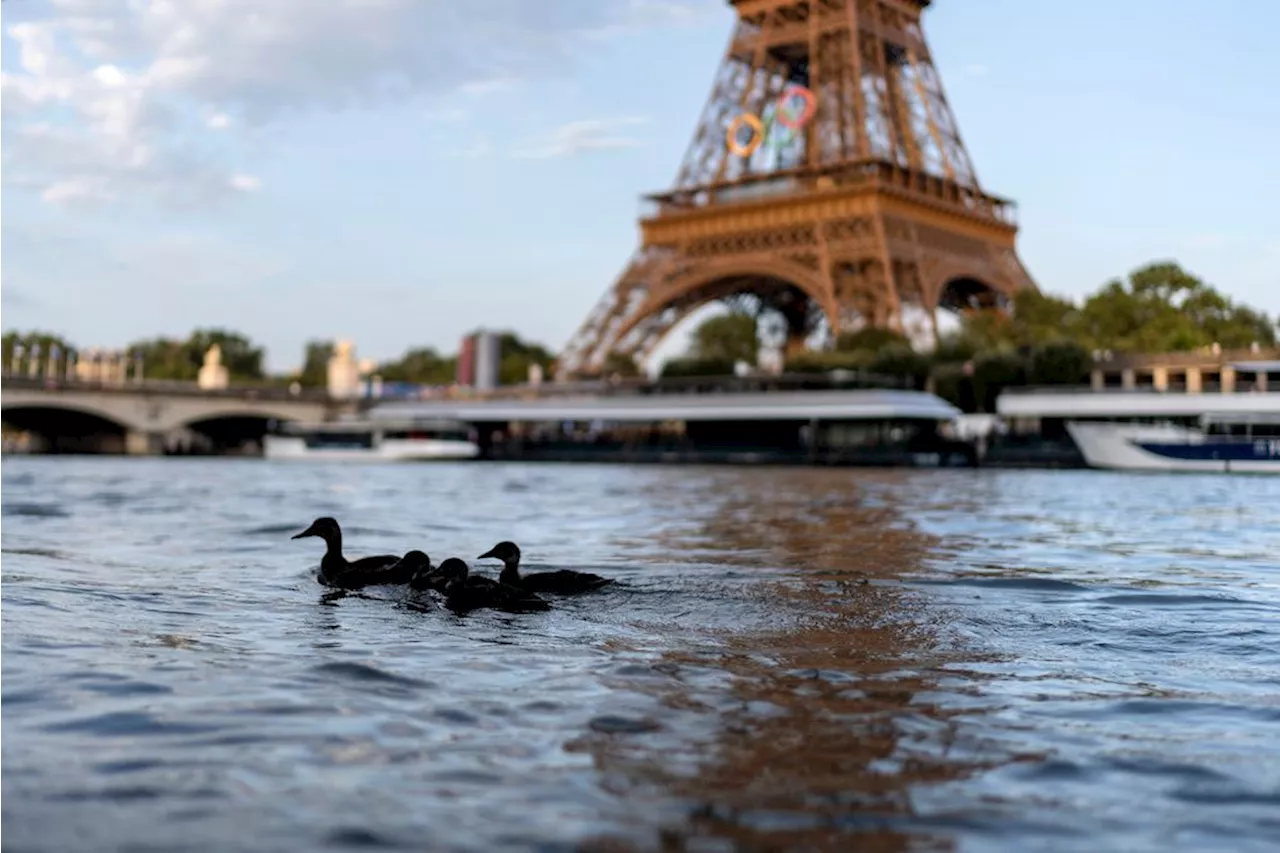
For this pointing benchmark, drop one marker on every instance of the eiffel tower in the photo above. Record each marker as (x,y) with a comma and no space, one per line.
(826,187)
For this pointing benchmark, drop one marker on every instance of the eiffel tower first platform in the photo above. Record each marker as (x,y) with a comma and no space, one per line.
(826,186)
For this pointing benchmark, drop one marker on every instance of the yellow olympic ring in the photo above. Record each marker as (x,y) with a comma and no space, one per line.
(757,135)
(780,118)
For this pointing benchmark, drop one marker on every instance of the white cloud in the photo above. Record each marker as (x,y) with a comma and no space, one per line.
(130,96)
(75,190)
(244,183)
(585,135)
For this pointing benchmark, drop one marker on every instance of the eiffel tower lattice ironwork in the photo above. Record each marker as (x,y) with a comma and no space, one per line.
(870,205)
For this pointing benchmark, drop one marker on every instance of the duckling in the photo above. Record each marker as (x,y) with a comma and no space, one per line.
(464,591)
(337,571)
(422,575)
(562,582)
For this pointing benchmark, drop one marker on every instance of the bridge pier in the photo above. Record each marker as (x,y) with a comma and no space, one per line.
(142,443)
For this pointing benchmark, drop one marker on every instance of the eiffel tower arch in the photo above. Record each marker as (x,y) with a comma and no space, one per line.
(826,183)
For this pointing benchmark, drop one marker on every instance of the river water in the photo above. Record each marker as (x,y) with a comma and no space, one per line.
(796,659)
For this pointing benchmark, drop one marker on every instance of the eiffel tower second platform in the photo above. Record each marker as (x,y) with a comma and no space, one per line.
(830,223)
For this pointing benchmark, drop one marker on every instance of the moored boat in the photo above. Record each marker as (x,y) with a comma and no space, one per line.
(367,441)
(1241,444)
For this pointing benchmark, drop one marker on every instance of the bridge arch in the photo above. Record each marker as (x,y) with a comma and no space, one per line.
(230,430)
(776,282)
(60,428)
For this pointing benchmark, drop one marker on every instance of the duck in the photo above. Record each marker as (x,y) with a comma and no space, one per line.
(337,571)
(464,591)
(562,582)
(422,576)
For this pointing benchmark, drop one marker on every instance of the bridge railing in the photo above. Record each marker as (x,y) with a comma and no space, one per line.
(170,388)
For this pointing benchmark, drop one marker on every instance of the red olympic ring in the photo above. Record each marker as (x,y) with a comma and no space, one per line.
(757,135)
(810,106)
(779,115)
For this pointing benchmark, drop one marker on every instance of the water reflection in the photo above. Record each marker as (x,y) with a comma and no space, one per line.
(805,659)
(828,725)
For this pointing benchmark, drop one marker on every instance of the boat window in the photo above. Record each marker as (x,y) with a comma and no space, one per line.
(335,440)
(433,434)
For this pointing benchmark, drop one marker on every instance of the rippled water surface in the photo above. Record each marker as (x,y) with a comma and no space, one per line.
(822,660)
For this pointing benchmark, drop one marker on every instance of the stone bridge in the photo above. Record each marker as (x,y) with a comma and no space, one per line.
(146,418)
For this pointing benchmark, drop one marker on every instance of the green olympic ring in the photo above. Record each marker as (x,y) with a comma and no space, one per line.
(781,117)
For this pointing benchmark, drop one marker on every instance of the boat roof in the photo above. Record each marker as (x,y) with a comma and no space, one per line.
(1256,366)
(366,425)
(1078,403)
(649,408)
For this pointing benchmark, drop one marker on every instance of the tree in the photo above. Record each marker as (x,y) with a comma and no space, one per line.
(992,373)
(241,358)
(165,358)
(1060,363)
(517,356)
(697,367)
(315,364)
(902,362)
(1163,308)
(954,348)
(869,338)
(729,337)
(423,366)
(1039,318)
(620,364)
(28,341)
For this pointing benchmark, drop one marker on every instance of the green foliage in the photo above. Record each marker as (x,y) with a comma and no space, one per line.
(27,340)
(517,356)
(728,337)
(992,373)
(697,367)
(825,362)
(901,361)
(620,364)
(1060,363)
(165,358)
(952,383)
(954,347)
(422,366)
(315,365)
(1041,317)
(1160,308)
(870,339)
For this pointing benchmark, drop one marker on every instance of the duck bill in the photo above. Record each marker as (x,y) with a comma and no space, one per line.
(310,531)
(487,554)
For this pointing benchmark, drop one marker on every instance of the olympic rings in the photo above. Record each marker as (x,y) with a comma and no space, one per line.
(757,135)
(781,123)
(810,106)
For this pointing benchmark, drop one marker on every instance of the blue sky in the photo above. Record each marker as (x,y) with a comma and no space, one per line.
(399,174)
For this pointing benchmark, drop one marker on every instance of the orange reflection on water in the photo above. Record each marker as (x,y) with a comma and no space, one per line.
(830,725)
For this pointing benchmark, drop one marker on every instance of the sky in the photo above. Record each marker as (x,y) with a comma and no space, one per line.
(401,172)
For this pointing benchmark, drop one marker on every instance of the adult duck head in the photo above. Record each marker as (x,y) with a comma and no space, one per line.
(507,552)
(326,528)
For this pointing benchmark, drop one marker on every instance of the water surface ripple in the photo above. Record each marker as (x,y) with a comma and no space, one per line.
(810,660)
